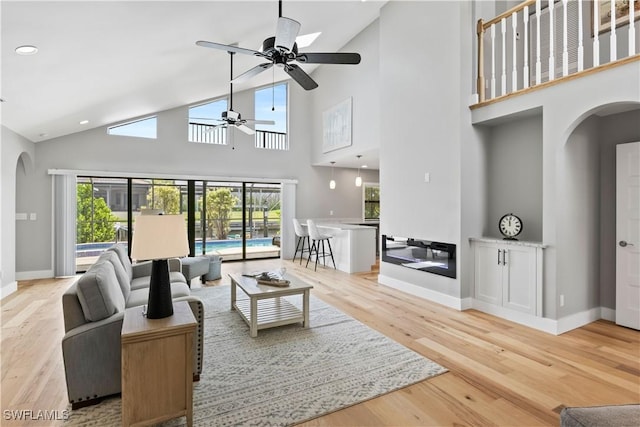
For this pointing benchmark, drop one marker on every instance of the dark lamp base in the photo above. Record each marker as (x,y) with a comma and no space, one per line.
(160,304)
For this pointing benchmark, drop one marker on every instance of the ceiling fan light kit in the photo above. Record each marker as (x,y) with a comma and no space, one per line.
(282,50)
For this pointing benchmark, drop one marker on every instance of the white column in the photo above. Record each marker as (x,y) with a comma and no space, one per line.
(565,51)
(552,61)
(503,29)
(514,71)
(525,69)
(632,30)
(538,62)
(613,46)
(493,60)
(596,40)
(580,46)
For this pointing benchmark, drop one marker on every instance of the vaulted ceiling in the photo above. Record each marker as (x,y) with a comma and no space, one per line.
(107,61)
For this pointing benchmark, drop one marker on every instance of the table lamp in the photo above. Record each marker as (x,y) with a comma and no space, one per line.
(157,238)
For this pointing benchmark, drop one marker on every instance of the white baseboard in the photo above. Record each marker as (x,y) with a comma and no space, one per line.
(540,323)
(32,275)
(419,291)
(607,314)
(8,289)
(576,320)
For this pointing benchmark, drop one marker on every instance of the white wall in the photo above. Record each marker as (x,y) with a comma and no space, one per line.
(424,87)
(514,175)
(12,147)
(361,83)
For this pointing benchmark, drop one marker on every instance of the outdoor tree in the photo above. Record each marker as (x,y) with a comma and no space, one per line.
(220,204)
(95,221)
(165,198)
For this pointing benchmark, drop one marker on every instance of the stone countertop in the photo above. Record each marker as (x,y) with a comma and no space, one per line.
(507,242)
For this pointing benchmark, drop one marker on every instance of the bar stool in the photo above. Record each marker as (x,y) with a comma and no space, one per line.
(303,235)
(316,238)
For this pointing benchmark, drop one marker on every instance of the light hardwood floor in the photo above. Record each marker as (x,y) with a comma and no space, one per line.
(500,373)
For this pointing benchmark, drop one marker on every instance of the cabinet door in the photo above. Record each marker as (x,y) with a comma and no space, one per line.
(519,279)
(488,273)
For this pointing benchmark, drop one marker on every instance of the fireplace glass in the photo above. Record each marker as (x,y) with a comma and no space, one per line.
(424,255)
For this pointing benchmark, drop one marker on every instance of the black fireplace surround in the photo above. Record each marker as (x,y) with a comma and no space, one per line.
(433,257)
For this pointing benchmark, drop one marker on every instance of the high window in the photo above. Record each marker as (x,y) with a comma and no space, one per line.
(371,201)
(271,104)
(203,120)
(143,128)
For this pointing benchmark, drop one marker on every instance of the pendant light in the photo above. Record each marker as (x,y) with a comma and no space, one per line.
(358,178)
(332,183)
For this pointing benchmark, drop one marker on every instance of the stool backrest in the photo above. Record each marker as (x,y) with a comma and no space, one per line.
(299,229)
(313,230)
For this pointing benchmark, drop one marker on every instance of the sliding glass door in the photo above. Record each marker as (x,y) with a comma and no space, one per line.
(236,220)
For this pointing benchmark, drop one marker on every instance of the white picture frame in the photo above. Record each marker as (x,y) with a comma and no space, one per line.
(337,126)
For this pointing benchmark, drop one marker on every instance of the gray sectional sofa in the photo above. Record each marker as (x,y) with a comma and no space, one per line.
(93,308)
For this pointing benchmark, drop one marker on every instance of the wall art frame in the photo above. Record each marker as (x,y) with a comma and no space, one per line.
(602,9)
(337,126)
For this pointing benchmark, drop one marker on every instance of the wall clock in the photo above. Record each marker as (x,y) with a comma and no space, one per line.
(510,226)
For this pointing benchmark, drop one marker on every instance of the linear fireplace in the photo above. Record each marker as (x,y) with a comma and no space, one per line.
(433,257)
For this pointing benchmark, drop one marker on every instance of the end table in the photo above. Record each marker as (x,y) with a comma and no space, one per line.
(157,366)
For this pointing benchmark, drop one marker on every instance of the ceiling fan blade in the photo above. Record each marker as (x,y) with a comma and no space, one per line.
(228,48)
(329,58)
(246,129)
(209,119)
(260,122)
(286,33)
(252,72)
(300,76)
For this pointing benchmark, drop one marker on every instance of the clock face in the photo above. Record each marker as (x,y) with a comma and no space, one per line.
(510,225)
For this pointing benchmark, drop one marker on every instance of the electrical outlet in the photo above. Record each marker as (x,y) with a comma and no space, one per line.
(427,177)
(330,213)
(561,300)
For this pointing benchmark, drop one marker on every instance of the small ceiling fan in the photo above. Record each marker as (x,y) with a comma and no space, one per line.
(281,50)
(233,118)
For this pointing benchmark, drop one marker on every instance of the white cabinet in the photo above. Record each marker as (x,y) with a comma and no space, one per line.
(508,274)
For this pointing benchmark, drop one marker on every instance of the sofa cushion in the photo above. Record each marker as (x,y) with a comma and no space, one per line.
(121,251)
(141,296)
(121,274)
(99,292)
(143,282)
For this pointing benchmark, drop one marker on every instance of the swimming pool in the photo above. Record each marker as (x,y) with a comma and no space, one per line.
(95,249)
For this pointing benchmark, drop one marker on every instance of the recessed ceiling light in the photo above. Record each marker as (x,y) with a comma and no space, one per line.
(26,50)
(84,122)
(306,39)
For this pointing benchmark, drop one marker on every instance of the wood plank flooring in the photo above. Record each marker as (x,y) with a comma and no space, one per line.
(500,373)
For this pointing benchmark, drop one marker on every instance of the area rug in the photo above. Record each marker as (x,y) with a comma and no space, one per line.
(285,375)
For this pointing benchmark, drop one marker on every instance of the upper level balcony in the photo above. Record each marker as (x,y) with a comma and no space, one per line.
(541,43)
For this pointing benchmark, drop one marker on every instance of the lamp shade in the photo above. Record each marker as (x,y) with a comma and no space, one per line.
(159,237)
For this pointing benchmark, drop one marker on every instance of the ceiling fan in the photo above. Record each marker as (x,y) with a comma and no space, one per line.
(282,50)
(233,118)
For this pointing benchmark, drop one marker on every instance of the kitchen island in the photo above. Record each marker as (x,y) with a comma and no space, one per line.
(354,246)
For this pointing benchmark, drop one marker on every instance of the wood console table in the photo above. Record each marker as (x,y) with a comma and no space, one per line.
(157,366)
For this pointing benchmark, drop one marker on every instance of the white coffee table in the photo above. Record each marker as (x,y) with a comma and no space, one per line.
(265,308)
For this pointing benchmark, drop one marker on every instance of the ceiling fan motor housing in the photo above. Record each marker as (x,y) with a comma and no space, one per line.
(230,116)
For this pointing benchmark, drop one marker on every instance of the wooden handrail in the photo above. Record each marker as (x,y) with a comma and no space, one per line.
(508,13)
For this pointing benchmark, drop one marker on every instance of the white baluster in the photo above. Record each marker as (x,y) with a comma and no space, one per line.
(514,71)
(632,30)
(525,70)
(565,51)
(493,60)
(596,40)
(538,62)
(552,61)
(580,47)
(503,29)
(613,46)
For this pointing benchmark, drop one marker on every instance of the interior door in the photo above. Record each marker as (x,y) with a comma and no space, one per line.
(628,235)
